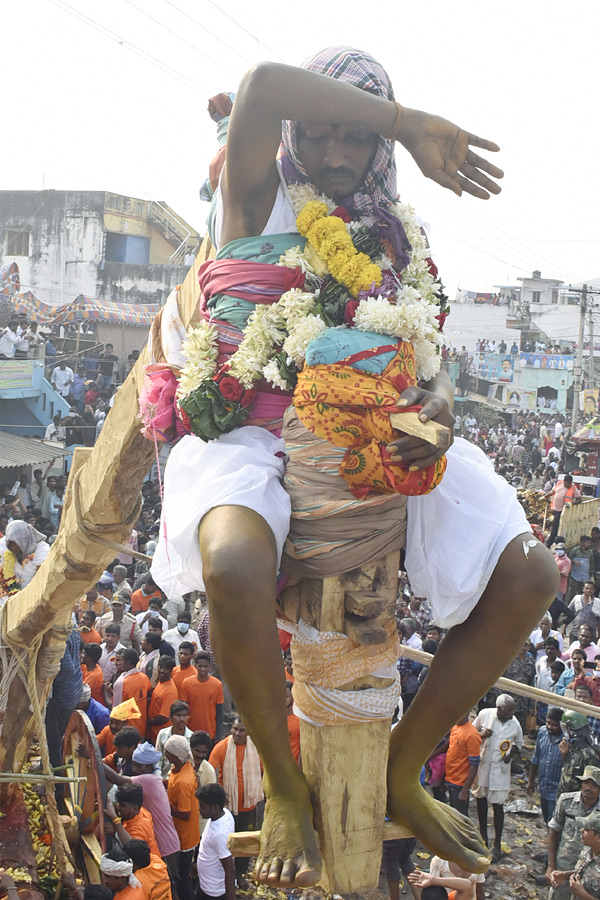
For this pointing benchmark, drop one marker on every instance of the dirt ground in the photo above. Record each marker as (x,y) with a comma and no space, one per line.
(511,878)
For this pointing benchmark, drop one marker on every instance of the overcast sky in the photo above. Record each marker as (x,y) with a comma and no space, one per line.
(117,102)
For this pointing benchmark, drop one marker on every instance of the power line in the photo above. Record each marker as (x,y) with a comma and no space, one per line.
(133,48)
(525,252)
(208,31)
(253,36)
(528,257)
(182,39)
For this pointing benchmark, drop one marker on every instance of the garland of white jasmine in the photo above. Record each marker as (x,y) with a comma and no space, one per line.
(276,337)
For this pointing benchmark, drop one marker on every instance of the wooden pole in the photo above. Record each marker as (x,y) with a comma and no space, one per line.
(515,687)
(110,484)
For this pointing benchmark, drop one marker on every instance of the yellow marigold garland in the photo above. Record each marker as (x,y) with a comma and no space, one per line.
(328,235)
(8,580)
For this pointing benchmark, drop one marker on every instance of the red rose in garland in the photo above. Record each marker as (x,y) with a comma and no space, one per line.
(230,388)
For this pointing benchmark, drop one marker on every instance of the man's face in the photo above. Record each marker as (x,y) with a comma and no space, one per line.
(577,660)
(588,589)
(51,482)
(433,635)
(590,791)
(506,712)
(585,545)
(553,727)
(185,657)
(116,725)
(200,752)
(585,636)
(239,733)
(551,652)
(207,811)
(126,810)
(154,628)
(111,641)
(147,647)
(86,620)
(164,673)
(119,662)
(582,694)
(337,158)
(180,719)
(203,667)
(117,609)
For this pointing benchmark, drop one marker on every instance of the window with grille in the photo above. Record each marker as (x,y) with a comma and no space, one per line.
(138,207)
(126,204)
(114,202)
(17,243)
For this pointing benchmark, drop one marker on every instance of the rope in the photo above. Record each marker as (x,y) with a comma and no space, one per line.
(26,659)
(93,531)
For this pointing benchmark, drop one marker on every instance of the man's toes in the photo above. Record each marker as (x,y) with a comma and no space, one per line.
(288,871)
(257,867)
(307,876)
(264,871)
(274,875)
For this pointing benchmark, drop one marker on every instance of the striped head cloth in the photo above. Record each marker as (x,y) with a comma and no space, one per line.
(372,201)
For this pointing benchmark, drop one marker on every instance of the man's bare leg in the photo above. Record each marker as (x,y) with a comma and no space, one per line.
(240,567)
(471,657)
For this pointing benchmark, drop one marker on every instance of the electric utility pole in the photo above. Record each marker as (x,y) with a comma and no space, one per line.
(591,367)
(579,362)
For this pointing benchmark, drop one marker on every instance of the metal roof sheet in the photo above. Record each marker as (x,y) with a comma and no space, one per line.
(16,452)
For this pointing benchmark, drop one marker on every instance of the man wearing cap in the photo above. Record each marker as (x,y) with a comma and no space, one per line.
(131,636)
(577,749)
(120,716)
(146,773)
(121,584)
(564,840)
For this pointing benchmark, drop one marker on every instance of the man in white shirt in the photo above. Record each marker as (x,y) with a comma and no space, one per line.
(216,870)
(62,379)
(176,636)
(55,431)
(502,737)
(9,339)
(109,649)
(35,341)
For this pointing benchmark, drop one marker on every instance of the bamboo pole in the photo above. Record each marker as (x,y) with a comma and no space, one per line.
(515,687)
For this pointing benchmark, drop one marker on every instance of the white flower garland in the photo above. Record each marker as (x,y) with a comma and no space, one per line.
(291,324)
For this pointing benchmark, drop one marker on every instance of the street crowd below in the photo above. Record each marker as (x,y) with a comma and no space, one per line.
(184,773)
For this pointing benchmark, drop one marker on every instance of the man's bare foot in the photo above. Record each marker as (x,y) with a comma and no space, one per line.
(442,829)
(288,845)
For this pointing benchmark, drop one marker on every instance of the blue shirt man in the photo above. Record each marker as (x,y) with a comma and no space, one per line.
(546,762)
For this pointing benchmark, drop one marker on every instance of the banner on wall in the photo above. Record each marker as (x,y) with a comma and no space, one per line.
(494,366)
(588,401)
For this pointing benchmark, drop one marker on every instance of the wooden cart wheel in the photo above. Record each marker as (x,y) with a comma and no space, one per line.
(86,800)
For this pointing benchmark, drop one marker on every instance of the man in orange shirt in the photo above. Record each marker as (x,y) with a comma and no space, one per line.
(132,684)
(462,762)
(204,696)
(163,695)
(185,669)
(129,817)
(141,598)
(185,808)
(87,632)
(150,871)
(293,722)
(91,671)
(117,874)
(232,759)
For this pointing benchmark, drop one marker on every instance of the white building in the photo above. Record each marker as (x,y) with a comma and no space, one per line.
(94,243)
